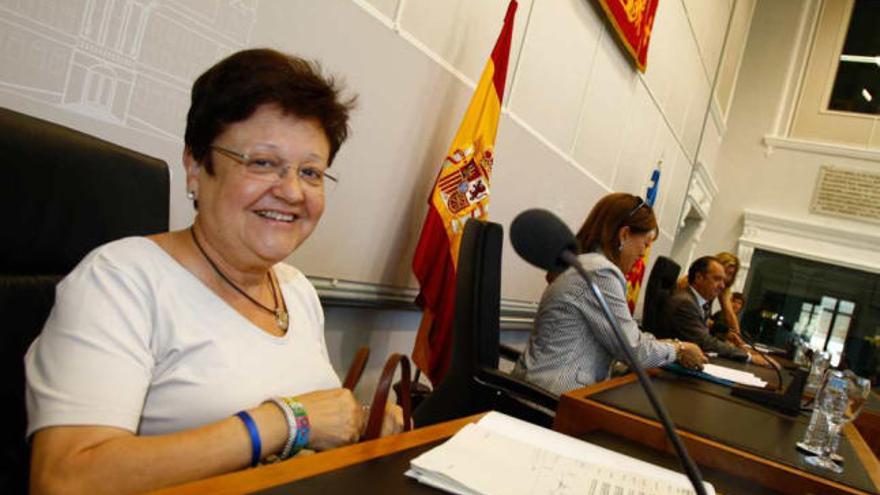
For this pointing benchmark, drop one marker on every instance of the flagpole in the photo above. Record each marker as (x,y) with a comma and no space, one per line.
(707,112)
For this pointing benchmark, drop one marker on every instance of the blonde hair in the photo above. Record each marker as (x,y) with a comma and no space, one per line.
(729,259)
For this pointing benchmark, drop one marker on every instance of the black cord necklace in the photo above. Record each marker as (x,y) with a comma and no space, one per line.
(281,318)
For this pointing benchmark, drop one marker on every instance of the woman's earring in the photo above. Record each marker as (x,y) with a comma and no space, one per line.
(620,247)
(191,195)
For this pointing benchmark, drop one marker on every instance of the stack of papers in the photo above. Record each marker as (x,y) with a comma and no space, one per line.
(736,376)
(503,455)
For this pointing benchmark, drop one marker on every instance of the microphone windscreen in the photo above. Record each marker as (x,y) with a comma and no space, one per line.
(540,237)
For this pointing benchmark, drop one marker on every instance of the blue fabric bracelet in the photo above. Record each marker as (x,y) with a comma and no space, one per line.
(256,444)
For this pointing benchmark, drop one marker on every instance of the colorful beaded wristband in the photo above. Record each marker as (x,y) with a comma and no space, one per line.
(302,424)
(256,444)
(291,427)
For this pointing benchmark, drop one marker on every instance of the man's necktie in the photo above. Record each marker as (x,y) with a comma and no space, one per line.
(706,307)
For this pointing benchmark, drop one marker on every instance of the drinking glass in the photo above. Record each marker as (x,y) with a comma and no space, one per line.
(840,400)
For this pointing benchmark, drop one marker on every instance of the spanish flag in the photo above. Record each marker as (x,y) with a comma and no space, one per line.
(637,273)
(460,192)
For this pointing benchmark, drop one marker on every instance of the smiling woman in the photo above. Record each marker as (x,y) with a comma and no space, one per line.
(186,354)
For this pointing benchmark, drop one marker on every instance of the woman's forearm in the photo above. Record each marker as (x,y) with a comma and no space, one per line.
(85,459)
(727,309)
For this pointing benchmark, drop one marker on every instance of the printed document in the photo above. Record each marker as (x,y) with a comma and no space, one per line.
(503,455)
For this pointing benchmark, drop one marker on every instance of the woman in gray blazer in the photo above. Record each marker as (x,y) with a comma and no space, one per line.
(572,345)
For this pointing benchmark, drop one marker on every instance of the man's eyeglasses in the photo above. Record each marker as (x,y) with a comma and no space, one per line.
(269,167)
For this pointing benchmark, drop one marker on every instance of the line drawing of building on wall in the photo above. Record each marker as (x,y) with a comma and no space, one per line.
(127,62)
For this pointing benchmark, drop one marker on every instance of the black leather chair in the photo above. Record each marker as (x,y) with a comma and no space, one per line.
(473,382)
(661,284)
(64,193)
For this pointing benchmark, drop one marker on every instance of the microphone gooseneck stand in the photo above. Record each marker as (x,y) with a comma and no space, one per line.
(786,401)
(772,363)
(693,473)
(544,240)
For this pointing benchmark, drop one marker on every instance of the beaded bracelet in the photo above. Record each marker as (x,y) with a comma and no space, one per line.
(302,424)
(291,429)
(256,443)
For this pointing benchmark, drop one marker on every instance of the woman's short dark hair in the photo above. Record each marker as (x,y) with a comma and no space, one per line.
(235,87)
(615,210)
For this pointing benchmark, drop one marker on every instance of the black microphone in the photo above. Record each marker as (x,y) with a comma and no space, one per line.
(543,240)
(539,238)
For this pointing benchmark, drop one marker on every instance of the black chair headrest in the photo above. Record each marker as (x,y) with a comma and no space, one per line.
(69,192)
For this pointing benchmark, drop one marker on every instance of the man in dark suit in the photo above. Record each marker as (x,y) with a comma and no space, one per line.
(685,313)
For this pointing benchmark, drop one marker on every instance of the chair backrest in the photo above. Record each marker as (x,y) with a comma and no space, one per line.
(477,298)
(473,383)
(65,194)
(475,335)
(661,284)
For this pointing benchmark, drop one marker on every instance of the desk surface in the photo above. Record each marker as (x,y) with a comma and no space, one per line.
(384,474)
(720,431)
(301,467)
(378,467)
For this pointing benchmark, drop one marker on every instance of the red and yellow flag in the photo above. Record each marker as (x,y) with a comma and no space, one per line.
(632,21)
(637,273)
(460,192)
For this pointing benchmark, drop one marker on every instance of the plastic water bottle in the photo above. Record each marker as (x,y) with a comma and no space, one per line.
(832,400)
(800,352)
(816,434)
(821,361)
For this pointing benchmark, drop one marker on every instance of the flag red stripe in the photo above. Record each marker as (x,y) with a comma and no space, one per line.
(435,271)
(501,52)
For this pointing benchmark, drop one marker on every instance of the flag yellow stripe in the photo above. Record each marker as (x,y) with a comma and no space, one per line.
(475,135)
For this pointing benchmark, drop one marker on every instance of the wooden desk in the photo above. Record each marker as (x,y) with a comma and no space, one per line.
(378,467)
(720,432)
(868,423)
(301,467)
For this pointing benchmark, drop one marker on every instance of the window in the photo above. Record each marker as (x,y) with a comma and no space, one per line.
(857,84)
(830,307)
(829,330)
(832,106)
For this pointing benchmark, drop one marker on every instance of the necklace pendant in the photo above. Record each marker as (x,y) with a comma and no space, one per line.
(281,318)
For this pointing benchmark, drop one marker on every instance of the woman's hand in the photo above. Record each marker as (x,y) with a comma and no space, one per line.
(691,356)
(392,422)
(334,416)
(735,339)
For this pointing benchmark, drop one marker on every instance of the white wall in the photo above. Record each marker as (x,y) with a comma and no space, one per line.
(575,106)
(780,183)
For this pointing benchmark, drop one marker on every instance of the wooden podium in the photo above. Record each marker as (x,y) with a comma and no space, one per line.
(720,431)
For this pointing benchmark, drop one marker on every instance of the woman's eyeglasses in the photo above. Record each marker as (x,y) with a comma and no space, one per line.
(267,166)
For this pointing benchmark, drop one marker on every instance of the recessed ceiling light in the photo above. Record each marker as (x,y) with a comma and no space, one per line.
(866,95)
